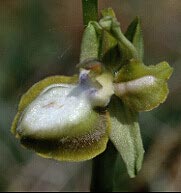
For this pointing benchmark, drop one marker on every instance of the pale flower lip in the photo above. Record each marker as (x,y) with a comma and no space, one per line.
(53,111)
(60,123)
(60,106)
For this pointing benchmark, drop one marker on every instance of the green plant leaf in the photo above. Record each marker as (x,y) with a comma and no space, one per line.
(134,35)
(125,135)
(142,87)
(90,44)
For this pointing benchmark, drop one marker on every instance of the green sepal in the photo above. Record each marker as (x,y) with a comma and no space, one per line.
(125,135)
(142,87)
(90,43)
(35,90)
(108,43)
(134,35)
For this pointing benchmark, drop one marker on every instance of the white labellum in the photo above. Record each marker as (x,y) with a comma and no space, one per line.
(65,110)
(55,110)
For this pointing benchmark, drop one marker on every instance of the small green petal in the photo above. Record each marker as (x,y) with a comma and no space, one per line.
(126,48)
(142,87)
(125,135)
(108,12)
(35,90)
(108,42)
(134,35)
(109,52)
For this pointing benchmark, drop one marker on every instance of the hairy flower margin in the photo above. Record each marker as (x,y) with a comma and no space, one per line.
(72,118)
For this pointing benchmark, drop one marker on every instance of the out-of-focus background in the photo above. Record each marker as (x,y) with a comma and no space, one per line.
(39,38)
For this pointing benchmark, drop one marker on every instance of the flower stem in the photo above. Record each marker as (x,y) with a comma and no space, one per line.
(90,10)
(103,170)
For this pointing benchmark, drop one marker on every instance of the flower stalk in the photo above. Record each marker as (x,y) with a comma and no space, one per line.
(90,10)
(103,169)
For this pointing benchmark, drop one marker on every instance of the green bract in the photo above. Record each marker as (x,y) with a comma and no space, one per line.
(125,135)
(72,118)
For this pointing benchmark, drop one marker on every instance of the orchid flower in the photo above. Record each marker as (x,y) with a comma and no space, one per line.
(73,118)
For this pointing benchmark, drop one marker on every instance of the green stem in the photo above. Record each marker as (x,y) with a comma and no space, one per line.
(103,170)
(90,10)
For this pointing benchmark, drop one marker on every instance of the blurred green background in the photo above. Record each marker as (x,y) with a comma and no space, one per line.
(39,38)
